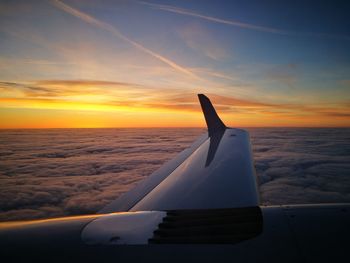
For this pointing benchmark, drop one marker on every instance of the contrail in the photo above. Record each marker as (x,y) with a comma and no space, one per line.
(108,27)
(181,11)
(186,12)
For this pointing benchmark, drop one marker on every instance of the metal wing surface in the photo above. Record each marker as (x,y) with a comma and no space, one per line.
(217,171)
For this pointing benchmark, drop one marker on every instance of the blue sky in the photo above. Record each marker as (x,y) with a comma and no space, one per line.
(285,55)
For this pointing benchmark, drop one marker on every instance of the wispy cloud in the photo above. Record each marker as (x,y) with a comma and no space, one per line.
(40,62)
(113,30)
(84,83)
(345,82)
(284,74)
(214,73)
(31,36)
(113,95)
(64,89)
(186,12)
(203,41)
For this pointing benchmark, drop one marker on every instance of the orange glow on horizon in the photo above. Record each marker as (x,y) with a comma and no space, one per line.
(44,118)
(70,104)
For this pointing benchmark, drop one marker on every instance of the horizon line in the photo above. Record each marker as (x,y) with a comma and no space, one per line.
(177,127)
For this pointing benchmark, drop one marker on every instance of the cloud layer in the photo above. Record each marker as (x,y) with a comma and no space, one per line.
(48,173)
(302,165)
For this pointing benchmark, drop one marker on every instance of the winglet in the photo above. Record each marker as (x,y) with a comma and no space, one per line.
(212,119)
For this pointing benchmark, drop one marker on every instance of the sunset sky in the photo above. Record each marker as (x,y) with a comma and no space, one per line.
(94,63)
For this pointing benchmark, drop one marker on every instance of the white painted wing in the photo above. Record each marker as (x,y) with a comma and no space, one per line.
(217,171)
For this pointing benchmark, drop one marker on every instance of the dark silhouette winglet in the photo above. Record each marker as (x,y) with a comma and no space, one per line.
(212,119)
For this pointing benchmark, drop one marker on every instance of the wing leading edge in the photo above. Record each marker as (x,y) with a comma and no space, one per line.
(215,172)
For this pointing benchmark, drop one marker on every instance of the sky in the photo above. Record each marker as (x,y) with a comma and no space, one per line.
(80,64)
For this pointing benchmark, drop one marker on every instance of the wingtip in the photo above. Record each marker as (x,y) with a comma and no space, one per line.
(200,95)
(214,123)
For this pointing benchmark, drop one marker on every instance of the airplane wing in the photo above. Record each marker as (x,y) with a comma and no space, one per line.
(215,172)
(202,206)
